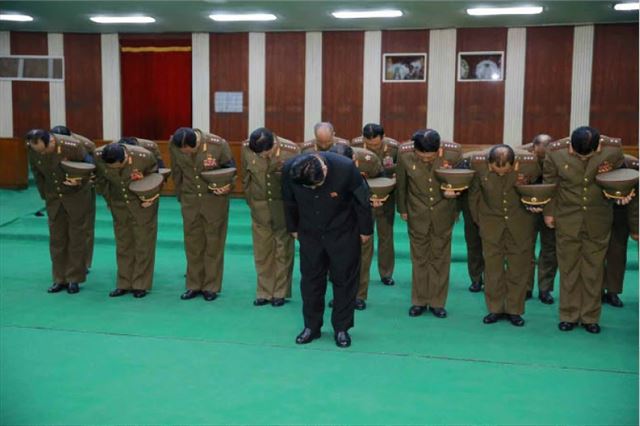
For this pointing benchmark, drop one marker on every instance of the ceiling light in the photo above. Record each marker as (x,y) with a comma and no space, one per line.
(239,17)
(388,13)
(122,19)
(625,7)
(15,18)
(488,11)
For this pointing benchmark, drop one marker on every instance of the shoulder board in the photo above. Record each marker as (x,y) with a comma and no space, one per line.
(308,144)
(630,162)
(526,158)
(211,138)
(407,147)
(357,141)
(479,158)
(340,140)
(138,151)
(450,146)
(609,141)
(146,143)
(390,142)
(245,143)
(525,147)
(559,144)
(287,144)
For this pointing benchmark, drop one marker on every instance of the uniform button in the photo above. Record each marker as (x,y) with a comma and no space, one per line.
(584,198)
(268,175)
(199,195)
(197,186)
(55,181)
(506,218)
(122,189)
(505,209)
(430,198)
(584,189)
(197,177)
(430,179)
(504,201)
(58,188)
(60,195)
(268,192)
(586,180)
(270,199)
(127,202)
(584,207)
(430,189)
(430,208)
(268,183)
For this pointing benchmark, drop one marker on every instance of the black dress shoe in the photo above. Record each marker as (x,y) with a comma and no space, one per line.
(138,294)
(189,294)
(277,302)
(476,287)
(613,300)
(343,340)
(57,287)
(330,304)
(491,318)
(361,305)
(438,312)
(545,297)
(516,320)
(529,295)
(387,281)
(592,328)
(260,302)
(566,326)
(118,292)
(209,295)
(73,288)
(307,336)
(416,311)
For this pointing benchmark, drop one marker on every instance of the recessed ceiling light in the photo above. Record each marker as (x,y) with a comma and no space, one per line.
(488,11)
(15,18)
(625,7)
(388,13)
(122,19)
(239,17)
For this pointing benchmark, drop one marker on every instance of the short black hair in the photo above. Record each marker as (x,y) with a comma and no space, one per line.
(61,130)
(306,169)
(426,140)
(372,130)
(342,149)
(585,140)
(501,155)
(260,140)
(34,135)
(113,153)
(128,140)
(184,136)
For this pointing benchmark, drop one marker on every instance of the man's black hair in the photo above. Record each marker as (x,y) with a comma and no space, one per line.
(128,140)
(61,130)
(426,140)
(113,153)
(342,149)
(260,140)
(585,140)
(34,135)
(306,170)
(372,130)
(501,155)
(184,137)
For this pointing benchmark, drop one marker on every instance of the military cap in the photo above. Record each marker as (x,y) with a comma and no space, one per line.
(219,178)
(617,183)
(381,187)
(455,179)
(76,170)
(147,188)
(164,172)
(367,162)
(536,194)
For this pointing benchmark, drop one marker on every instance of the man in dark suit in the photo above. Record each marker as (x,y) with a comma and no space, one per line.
(327,209)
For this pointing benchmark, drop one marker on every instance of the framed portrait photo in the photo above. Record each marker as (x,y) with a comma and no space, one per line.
(480,66)
(404,67)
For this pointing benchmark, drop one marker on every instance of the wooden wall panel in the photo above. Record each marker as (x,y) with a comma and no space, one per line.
(479,106)
(614,84)
(547,85)
(342,70)
(30,98)
(14,174)
(83,84)
(284,91)
(403,108)
(229,72)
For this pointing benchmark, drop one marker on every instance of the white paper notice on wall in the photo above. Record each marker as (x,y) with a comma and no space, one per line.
(228,101)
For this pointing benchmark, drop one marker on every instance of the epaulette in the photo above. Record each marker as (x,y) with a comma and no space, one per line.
(211,138)
(340,140)
(630,162)
(451,146)
(407,147)
(559,144)
(390,141)
(609,141)
(287,144)
(526,158)
(479,158)
(525,147)
(245,143)
(308,144)
(137,151)
(88,143)
(146,143)
(357,141)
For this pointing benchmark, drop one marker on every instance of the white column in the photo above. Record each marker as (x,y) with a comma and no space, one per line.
(200,95)
(442,81)
(581,76)
(371,77)
(312,83)
(257,76)
(514,86)
(57,100)
(111,95)
(6,105)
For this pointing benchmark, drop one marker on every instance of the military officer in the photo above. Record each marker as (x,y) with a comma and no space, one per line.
(506,228)
(325,137)
(582,218)
(68,204)
(147,144)
(205,213)
(327,208)
(430,213)
(547,260)
(135,222)
(263,157)
(616,260)
(386,149)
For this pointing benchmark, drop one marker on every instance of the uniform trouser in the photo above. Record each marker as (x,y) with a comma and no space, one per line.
(273,250)
(617,251)
(581,265)
(204,246)
(136,235)
(383,218)
(91,227)
(505,285)
(430,260)
(475,261)
(67,244)
(336,253)
(547,260)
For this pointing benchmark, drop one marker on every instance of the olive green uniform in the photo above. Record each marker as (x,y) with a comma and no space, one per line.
(135,227)
(430,221)
(205,215)
(273,246)
(67,209)
(506,229)
(475,262)
(312,145)
(583,219)
(383,216)
(152,147)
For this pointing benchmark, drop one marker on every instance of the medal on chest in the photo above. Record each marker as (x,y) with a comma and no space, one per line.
(209,162)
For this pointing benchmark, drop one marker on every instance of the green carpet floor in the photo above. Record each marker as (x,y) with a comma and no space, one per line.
(89,359)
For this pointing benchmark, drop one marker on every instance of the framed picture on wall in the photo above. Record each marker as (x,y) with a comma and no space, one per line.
(480,66)
(404,67)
